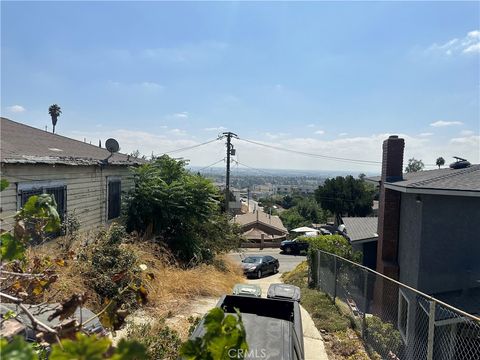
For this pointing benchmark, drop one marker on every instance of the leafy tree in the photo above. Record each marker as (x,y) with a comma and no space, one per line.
(440,162)
(287,202)
(54,111)
(304,213)
(346,195)
(414,165)
(180,208)
(292,219)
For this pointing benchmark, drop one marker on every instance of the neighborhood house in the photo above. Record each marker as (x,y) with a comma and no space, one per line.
(85,179)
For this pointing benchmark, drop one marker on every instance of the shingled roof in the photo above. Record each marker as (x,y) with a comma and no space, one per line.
(24,144)
(361,228)
(466,180)
(260,217)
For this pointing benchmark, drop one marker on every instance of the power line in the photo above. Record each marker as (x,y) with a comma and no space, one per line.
(358,161)
(215,163)
(191,147)
(250,167)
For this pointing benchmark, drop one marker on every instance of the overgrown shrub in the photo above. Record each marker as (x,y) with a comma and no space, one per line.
(115,275)
(334,244)
(181,209)
(159,340)
(382,336)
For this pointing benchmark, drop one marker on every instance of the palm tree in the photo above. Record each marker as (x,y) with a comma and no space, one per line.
(54,111)
(440,162)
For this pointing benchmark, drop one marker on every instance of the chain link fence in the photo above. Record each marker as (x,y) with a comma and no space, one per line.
(395,321)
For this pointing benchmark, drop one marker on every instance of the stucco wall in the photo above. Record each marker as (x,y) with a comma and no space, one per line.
(450,254)
(86,189)
(409,245)
(439,248)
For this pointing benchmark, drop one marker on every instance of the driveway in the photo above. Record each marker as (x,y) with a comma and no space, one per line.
(314,346)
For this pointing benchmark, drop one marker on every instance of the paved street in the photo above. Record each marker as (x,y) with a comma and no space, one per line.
(287,262)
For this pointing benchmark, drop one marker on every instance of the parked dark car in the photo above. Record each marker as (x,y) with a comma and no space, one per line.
(293,246)
(260,265)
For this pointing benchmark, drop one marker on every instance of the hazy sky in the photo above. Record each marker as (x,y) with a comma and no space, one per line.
(327,78)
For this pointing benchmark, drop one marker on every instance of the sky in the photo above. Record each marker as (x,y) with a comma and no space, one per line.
(329,78)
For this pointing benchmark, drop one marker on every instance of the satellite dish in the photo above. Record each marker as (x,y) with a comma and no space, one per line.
(112,145)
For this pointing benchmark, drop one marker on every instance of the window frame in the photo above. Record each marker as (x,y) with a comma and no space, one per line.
(42,185)
(113,179)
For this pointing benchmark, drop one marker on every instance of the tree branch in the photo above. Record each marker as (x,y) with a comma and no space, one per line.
(35,322)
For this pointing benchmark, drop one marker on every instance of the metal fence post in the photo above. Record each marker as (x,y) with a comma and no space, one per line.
(431,330)
(335,280)
(318,269)
(365,303)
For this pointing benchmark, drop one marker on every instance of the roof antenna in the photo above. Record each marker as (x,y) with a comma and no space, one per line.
(99,143)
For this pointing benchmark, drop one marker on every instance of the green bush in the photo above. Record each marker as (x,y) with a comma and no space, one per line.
(181,209)
(159,340)
(334,244)
(115,275)
(382,336)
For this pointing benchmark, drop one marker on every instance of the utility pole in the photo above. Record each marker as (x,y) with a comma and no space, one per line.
(230,151)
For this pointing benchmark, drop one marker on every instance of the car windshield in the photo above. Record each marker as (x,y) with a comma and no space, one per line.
(252,260)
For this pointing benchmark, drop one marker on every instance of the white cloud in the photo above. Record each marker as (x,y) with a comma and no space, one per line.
(441,123)
(470,43)
(360,147)
(473,140)
(311,125)
(16,109)
(181,115)
(151,85)
(139,86)
(275,136)
(466,132)
(320,132)
(219,128)
(472,48)
(425,134)
(343,134)
(178,132)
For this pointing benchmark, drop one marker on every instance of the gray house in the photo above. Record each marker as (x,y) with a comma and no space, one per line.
(362,234)
(429,239)
(83,178)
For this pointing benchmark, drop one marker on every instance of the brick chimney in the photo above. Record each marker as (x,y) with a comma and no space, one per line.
(388,227)
(389,207)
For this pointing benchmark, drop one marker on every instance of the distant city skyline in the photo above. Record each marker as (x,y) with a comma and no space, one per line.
(334,79)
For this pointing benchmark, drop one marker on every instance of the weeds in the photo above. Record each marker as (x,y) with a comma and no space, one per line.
(160,341)
(340,340)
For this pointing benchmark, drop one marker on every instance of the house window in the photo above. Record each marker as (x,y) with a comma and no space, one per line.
(114,198)
(403,309)
(56,188)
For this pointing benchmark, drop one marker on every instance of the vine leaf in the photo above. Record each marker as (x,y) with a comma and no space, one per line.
(11,248)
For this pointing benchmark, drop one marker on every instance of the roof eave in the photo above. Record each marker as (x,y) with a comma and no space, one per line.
(432,191)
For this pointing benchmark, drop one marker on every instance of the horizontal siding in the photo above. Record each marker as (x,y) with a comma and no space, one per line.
(86,189)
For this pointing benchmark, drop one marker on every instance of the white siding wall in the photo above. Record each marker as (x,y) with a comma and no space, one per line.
(86,189)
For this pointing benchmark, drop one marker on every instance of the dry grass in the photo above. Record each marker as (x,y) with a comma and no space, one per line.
(173,287)
(168,293)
